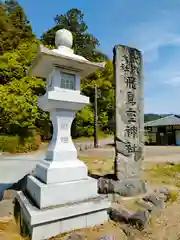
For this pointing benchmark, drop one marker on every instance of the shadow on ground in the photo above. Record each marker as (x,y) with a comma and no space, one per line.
(3,187)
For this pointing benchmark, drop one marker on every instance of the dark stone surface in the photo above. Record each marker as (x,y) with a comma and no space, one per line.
(140,219)
(155,199)
(119,215)
(126,187)
(105,186)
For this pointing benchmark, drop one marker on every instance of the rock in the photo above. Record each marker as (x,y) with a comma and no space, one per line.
(126,188)
(129,187)
(105,186)
(154,199)
(164,191)
(119,215)
(147,205)
(163,197)
(140,219)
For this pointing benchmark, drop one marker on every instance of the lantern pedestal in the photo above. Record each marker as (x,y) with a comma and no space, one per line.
(49,222)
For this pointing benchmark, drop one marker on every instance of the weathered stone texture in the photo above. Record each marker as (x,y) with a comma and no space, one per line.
(126,187)
(129,112)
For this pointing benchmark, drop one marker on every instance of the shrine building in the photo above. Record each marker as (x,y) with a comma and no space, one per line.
(163,131)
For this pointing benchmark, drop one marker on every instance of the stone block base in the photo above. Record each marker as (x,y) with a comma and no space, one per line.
(45,195)
(46,223)
(56,171)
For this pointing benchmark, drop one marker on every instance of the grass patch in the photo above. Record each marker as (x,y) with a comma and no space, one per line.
(9,231)
(154,173)
(173,196)
(163,174)
(98,165)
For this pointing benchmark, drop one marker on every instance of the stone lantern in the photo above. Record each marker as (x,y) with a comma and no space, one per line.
(61,196)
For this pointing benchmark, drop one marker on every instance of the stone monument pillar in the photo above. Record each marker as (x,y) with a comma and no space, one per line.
(129,116)
(61,197)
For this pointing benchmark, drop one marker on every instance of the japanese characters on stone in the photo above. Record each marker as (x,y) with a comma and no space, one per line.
(130,68)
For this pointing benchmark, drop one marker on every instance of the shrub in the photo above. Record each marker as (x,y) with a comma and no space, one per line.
(173,196)
(17,144)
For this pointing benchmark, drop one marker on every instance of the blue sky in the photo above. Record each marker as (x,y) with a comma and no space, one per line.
(152,26)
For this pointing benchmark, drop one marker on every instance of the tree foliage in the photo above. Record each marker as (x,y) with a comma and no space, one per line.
(150,117)
(84,43)
(19,113)
(14,26)
(18,92)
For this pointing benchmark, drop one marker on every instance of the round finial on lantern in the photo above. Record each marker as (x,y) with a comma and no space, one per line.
(63,38)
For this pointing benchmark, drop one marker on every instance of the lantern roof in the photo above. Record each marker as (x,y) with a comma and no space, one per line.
(62,57)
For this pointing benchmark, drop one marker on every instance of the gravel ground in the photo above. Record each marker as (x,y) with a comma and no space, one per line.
(159,154)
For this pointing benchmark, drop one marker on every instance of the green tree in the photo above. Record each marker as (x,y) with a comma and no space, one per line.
(104,81)
(84,44)
(14,26)
(19,113)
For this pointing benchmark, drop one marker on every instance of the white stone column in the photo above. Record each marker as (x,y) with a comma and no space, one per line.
(61,147)
(61,163)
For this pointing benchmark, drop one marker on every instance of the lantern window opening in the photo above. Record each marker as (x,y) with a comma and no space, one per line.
(68,81)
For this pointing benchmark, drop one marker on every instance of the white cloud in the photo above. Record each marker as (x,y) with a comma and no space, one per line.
(150,36)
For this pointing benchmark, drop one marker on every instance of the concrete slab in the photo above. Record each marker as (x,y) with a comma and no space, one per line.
(50,222)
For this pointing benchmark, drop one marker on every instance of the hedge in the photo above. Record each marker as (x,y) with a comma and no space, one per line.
(17,144)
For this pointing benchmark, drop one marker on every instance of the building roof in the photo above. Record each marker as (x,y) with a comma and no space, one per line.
(165,121)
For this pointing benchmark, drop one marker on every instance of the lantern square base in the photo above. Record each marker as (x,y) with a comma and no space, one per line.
(61,171)
(50,222)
